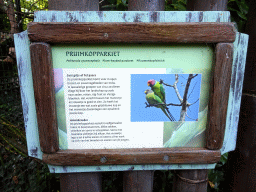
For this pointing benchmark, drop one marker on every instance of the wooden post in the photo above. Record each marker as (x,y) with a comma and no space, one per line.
(241,167)
(141,181)
(196,180)
(78,182)
(138,181)
(219,90)
(190,180)
(44,97)
(146,5)
(208,5)
(76,5)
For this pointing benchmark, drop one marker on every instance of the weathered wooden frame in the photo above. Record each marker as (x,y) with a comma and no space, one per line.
(42,35)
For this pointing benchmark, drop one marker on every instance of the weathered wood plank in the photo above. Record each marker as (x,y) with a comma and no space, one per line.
(132,16)
(131,32)
(27,93)
(219,95)
(41,64)
(132,156)
(235,94)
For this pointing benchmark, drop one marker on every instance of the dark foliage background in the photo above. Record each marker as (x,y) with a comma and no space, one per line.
(18,172)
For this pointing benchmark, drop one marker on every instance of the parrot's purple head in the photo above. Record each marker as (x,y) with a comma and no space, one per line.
(151,82)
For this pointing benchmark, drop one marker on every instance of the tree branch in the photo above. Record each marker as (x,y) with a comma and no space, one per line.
(9,9)
(161,104)
(189,104)
(191,118)
(174,86)
(184,103)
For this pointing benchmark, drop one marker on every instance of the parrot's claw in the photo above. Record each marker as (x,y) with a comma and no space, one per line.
(147,105)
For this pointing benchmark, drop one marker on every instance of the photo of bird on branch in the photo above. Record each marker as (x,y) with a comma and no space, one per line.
(156,97)
(177,95)
(155,100)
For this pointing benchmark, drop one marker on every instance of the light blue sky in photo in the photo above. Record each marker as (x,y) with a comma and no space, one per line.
(138,98)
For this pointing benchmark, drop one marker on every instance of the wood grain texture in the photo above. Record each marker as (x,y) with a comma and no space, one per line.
(138,181)
(132,156)
(41,64)
(81,182)
(131,32)
(219,95)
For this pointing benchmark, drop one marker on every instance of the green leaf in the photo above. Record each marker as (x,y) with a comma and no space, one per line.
(241,15)
(187,131)
(179,7)
(112,2)
(232,9)
(242,7)
(122,7)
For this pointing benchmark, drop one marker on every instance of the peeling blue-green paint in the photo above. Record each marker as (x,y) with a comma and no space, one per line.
(27,93)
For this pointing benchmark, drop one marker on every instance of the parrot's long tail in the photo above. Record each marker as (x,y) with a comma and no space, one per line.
(168,115)
(173,119)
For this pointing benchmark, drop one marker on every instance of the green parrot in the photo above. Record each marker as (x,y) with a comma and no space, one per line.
(157,88)
(153,99)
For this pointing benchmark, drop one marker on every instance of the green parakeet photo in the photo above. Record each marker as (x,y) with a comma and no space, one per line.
(153,99)
(158,89)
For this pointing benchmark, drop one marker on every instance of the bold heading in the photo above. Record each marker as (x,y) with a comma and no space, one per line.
(92,53)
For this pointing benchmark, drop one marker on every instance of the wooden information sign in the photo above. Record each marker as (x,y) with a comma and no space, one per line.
(131,93)
(42,35)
